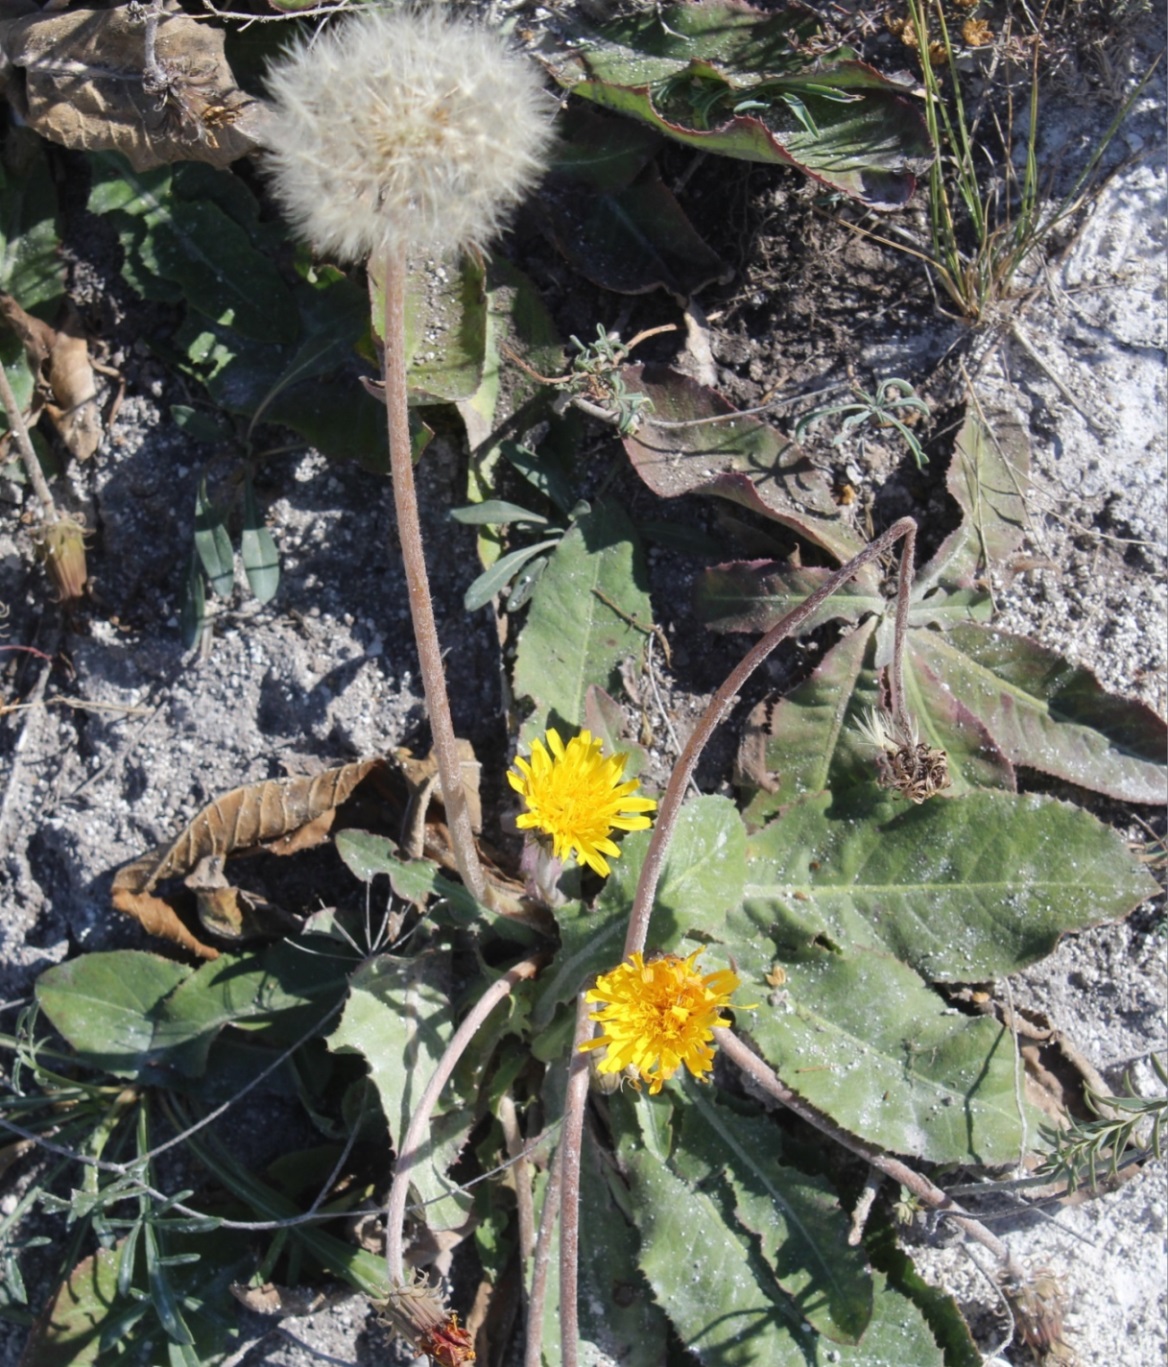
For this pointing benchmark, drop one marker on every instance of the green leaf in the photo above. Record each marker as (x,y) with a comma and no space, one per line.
(803,1231)
(193,620)
(811,741)
(580,625)
(445,325)
(711,1286)
(963,889)
(502,572)
(213,544)
(731,80)
(987,477)
(31,269)
(106,1005)
(700,883)
(418,881)
(866,1041)
(1048,714)
(201,252)
(90,1323)
(617,1318)
(136,1015)
(631,240)
(261,560)
(400,1018)
(703,875)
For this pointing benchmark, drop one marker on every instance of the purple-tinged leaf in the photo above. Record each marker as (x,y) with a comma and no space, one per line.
(726,78)
(987,476)
(1048,714)
(739,458)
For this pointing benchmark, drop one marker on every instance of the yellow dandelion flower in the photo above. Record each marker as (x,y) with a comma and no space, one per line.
(576,796)
(659,1015)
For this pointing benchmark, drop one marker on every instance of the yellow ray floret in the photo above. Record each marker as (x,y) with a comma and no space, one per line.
(575,796)
(659,1015)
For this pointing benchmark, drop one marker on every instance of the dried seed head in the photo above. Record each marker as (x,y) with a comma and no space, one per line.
(904,763)
(62,544)
(403,130)
(416,1312)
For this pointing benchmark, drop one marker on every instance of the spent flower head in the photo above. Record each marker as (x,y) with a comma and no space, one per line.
(575,796)
(403,130)
(659,1015)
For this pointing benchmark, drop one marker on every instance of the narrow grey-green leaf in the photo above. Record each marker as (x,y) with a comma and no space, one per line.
(802,1229)
(213,544)
(494,580)
(261,560)
(987,476)
(963,889)
(580,624)
(1049,714)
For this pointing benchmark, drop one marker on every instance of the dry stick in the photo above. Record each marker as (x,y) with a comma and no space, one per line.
(920,1186)
(571,1137)
(410,1150)
(409,529)
(723,700)
(32,465)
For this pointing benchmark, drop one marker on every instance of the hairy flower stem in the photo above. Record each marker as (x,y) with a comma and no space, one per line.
(571,1138)
(722,701)
(749,1062)
(541,1262)
(405,498)
(410,1149)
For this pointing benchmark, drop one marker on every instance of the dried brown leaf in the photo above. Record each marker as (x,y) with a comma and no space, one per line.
(83,86)
(60,358)
(74,409)
(274,815)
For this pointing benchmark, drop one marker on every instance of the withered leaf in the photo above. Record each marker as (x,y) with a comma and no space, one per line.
(74,409)
(77,78)
(60,357)
(275,815)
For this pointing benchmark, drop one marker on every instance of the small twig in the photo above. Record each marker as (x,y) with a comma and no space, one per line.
(409,1151)
(28,453)
(722,701)
(759,1071)
(1101,428)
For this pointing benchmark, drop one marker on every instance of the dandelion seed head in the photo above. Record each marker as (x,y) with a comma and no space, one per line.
(395,131)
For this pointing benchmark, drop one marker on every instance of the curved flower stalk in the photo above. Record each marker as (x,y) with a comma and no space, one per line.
(396,132)
(722,701)
(576,799)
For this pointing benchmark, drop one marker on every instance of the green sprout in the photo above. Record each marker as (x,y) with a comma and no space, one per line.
(881,408)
